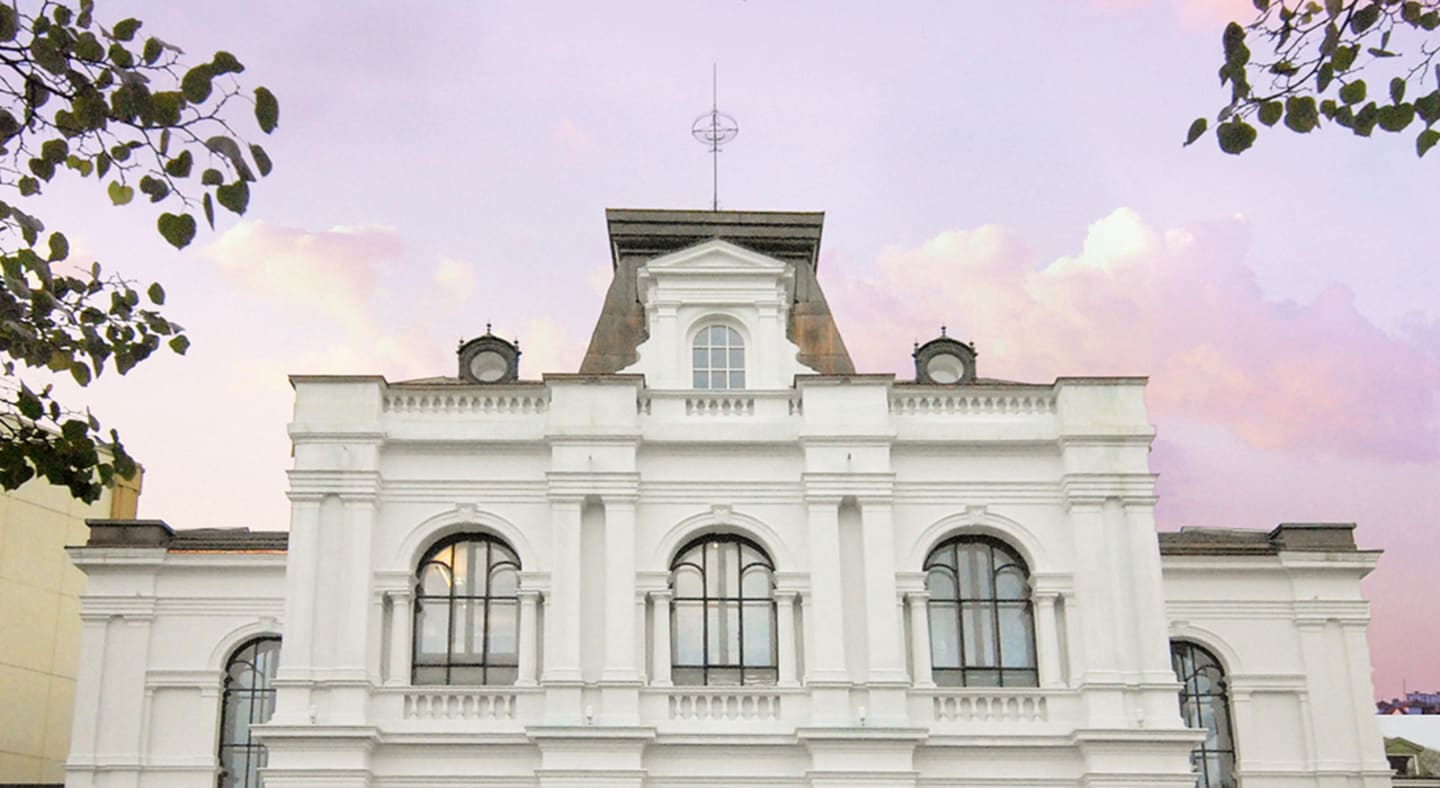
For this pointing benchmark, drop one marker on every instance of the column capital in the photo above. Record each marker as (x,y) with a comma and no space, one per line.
(661,594)
(786,593)
(916,596)
(531,595)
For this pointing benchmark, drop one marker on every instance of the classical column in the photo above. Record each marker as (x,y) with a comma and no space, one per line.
(642,603)
(886,657)
(529,620)
(785,641)
(619,590)
(402,616)
(924,675)
(826,625)
(1047,639)
(562,604)
(660,672)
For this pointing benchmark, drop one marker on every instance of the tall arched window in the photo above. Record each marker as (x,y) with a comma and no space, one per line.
(723,613)
(982,632)
(1204,703)
(467,622)
(248,699)
(718,358)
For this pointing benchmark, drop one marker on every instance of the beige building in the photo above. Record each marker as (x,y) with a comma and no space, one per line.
(40,622)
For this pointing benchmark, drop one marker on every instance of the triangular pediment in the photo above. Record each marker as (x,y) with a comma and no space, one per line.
(716,256)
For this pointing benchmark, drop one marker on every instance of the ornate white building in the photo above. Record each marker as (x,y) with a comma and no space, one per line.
(718,556)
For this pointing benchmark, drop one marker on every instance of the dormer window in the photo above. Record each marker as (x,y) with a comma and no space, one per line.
(719,358)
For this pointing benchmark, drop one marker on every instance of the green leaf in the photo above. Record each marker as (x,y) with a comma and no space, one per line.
(152,51)
(54,151)
(1353,93)
(267,109)
(234,196)
(196,83)
(1365,120)
(1397,90)
(1233,42)
(1334,7)
(59,247)
(1426,141)
(1235,136)
(1428,107)
(1270,112)
(154,187)
(212,177)
(1395,117)
(102,164)
(179,167)
(1410,12)
(88,48)
(230,149)
(225,63)
(120,194)
(29,404)
(125,29)
(180,344)
(29,186)
(262,161)
(1196,129)
(209,206)
(1301,113)
(156,293)
(178,229)
(1361,20)
(1323,77)
(121,56)
(80,373)
(8,23)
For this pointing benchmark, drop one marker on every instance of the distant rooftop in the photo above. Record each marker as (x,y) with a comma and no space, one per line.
(1303,537)
(156,533)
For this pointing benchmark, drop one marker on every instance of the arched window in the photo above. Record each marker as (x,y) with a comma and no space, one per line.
(1205,704)
(467,622)
(719,358)
(248,699)
(723,612)
(982,632)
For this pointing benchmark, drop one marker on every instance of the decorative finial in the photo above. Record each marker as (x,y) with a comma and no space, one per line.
(714,129)
(487,327)
(942,329)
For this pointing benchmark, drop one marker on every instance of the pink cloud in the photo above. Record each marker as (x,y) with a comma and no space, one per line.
(333,272)
(1178,305)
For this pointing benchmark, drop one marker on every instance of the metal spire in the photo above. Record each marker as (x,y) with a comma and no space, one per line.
(714,129)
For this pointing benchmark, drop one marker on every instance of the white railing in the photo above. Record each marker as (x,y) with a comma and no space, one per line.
(449,402)
(737,704)
(987,403)
(970,706)
(719,405)
(459,704)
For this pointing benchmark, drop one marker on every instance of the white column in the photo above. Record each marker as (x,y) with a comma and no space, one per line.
(1047,640)
(785,642)
(562,604)
(1152,626)
(642,603)
(619,591)
(924,675)
(660,671)
(529,633)
(886,657)
(827,659)
(402,616)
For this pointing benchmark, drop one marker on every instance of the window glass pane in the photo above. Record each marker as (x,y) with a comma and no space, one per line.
(688,677)
(237,718)
(701,380)
(1011,583)
(737,358)
(429,675)
(699,358)
(501,675)
(433,624)
(435,580)
(723,677)
(719,564)
(737,380)
(733,337)
(504,632)
(982,678)
(461,570)
(941,584)
(974,570)
(1016,636)
(689,633)
(723,619)
(242,675)
(759,634)
(504,581)
(717,358)
(469,629)
(977,623)
(763,677)
(756,583)
(460,674)
(944,555)
(944,635)
(688,582)
(717,335)
(1020,678)
(949,678)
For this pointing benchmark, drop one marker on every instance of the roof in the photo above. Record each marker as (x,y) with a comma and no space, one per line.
(156,533)
(637,236)
(1303,537)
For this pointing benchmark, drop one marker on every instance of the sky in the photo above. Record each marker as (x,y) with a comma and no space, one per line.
(1011,170)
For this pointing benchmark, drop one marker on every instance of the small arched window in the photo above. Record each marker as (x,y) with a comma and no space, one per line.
(718,358)
(1205,704)
(467,622)
(248,699)
(723,613)
(982,632)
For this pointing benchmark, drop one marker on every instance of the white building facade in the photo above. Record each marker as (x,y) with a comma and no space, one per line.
(718,556)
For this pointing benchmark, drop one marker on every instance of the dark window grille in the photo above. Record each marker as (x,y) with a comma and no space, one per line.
(248,699)
(982,628)
(1205,704)
(723,613)
(467,613)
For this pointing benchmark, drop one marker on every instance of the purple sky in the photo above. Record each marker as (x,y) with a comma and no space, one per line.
(1011,169)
